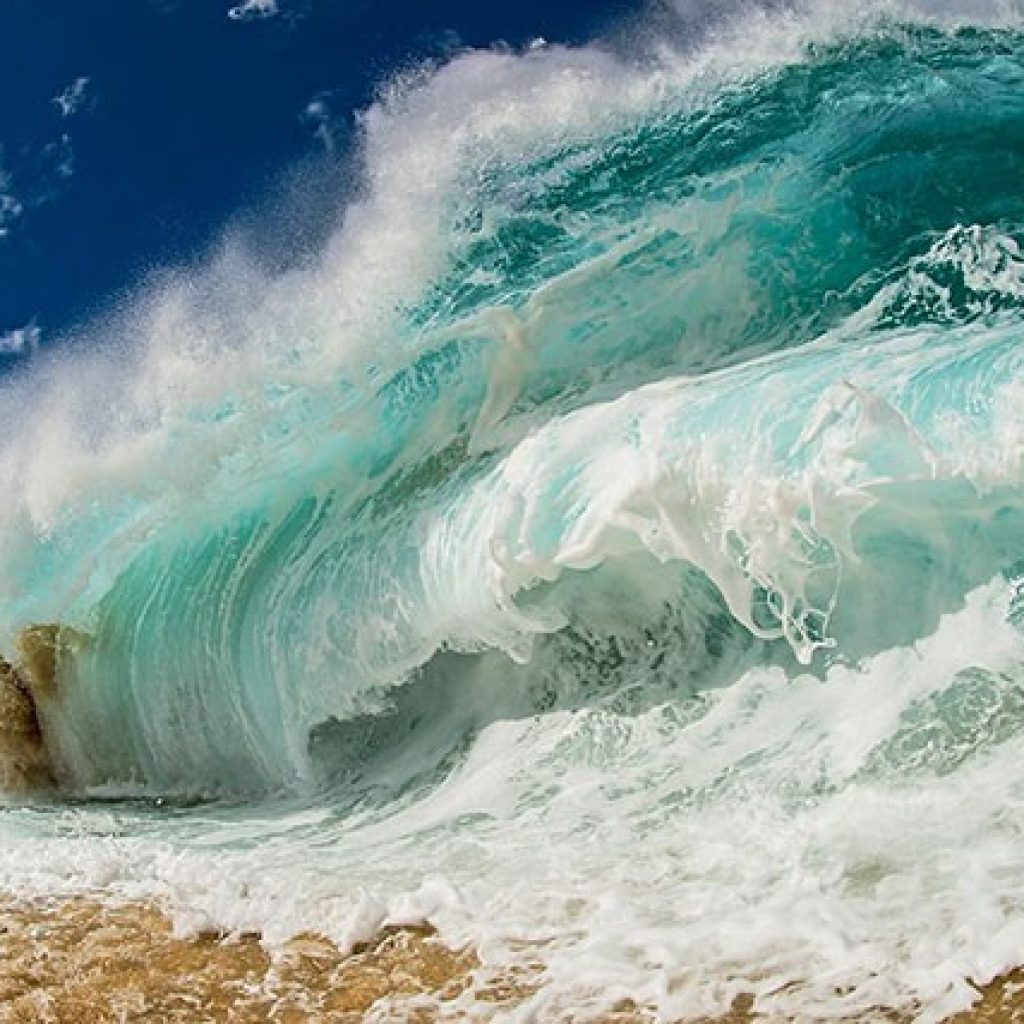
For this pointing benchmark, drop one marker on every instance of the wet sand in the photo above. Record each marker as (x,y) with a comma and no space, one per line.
(83,962)
(78,962)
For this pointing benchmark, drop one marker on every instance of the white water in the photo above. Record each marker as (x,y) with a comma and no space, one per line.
(708,683)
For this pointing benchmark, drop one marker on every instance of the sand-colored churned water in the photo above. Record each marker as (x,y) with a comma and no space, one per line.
(80,961)
(76,961)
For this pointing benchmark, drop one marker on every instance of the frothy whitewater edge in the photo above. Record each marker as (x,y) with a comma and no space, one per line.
(72,959)
(779,880)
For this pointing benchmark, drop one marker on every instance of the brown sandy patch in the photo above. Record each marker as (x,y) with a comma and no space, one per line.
(78,961)
(24,764)
(82,962)
(1002,1002)
(30,689)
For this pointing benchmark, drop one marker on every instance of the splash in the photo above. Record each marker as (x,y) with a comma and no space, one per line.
(638,468)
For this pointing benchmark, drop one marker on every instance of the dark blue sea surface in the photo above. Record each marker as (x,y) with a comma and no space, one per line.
(187,120)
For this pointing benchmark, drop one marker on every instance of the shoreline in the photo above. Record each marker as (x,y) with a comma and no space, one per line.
(76,959)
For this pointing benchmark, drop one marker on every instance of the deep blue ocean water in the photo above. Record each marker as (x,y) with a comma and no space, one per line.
(190,120)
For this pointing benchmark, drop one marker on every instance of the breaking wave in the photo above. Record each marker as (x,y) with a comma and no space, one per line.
(650,419)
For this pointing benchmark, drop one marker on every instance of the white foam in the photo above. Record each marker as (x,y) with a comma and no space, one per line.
(10,207)
(762,847)
(20,341)
(253,10)
(71,98)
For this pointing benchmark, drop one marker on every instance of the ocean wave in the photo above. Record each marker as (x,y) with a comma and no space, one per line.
(649,419)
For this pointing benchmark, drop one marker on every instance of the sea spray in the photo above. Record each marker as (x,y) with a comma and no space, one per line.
(609,547)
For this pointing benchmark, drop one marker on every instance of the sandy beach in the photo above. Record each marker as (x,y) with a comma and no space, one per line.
(71,961)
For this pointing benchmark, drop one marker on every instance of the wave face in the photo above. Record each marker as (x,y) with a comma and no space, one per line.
(633,490)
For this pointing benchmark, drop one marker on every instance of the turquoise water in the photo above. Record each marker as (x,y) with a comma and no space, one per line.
(613,538)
